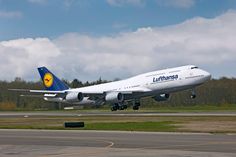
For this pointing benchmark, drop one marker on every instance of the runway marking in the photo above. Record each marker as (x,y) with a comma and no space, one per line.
(110,144)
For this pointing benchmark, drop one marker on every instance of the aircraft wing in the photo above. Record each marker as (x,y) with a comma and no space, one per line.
(97,96)
(128,91)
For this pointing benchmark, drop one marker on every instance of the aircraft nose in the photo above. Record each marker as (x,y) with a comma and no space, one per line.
(207,75)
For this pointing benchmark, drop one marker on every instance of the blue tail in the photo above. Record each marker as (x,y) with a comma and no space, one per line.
(50,81)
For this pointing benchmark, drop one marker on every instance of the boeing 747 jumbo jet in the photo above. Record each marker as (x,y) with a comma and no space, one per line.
(157,84)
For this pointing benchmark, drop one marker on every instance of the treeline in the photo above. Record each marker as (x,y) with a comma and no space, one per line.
(216,92)
(10,100)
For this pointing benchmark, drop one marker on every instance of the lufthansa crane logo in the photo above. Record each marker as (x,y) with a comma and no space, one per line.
(48,80)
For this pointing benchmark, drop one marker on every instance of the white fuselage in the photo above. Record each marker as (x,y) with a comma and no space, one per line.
(149,84)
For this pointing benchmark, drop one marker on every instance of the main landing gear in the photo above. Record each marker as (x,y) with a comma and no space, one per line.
(119,106)
(123,106)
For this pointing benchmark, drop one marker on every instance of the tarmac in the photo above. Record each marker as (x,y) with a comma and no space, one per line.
(75,114)
(71,143)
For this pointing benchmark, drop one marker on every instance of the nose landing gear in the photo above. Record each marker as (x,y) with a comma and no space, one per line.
(136,105)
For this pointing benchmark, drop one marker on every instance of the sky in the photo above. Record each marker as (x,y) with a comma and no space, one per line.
(88,39)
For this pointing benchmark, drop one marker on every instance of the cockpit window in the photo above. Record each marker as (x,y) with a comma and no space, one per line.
(194,67)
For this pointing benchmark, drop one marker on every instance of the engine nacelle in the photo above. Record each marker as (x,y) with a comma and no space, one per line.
(74,97)
(162,97)
(114,97)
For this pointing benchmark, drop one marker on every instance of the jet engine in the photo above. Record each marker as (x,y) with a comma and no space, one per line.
(114,97)
(74,97)
(162,97)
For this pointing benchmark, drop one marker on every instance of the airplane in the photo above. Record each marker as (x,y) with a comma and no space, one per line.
(157,84)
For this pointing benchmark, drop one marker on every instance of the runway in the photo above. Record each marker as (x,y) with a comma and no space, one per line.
(114,143)
(76,114)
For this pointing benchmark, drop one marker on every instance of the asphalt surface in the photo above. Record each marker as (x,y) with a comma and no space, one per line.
(114,143)
(75,114)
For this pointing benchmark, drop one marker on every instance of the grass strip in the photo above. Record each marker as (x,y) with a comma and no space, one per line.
(133,126)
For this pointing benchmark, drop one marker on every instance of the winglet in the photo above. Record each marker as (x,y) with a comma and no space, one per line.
(50,81)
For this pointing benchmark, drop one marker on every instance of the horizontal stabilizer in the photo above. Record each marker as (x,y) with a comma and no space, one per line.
(32,96)
(38,91)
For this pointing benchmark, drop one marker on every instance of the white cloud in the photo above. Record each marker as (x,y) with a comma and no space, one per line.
(126,2)
(18,57)
(176,3)
(10,14)
(208,43)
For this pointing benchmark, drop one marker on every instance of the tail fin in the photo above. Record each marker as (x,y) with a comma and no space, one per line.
(50,81)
